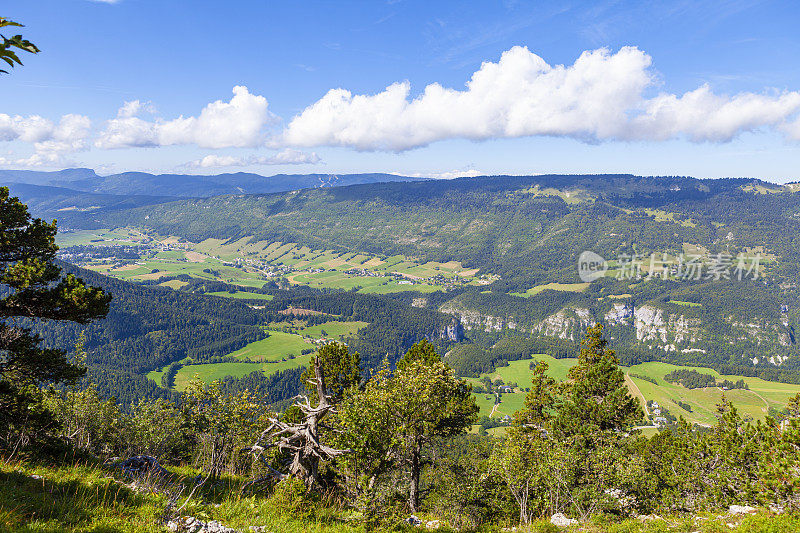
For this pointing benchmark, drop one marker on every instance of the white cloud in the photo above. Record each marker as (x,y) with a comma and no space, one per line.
(135,107)
(238,123)
(599,97)
(50,141)
(287,156)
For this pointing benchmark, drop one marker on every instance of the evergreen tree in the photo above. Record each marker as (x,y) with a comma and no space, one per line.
(32,287)
(341,368)
(597,401)
(396,416)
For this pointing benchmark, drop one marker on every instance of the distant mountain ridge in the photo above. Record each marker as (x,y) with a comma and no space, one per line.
(189,185)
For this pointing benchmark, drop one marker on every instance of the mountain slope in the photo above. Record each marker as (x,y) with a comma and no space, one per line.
(189,185)
(530,228)
(529,231)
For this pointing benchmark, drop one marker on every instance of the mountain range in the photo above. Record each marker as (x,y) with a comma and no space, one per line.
(526,233)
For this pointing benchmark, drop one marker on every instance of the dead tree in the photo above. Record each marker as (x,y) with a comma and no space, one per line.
(301,442)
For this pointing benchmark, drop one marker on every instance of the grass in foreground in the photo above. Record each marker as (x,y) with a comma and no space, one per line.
(90,498)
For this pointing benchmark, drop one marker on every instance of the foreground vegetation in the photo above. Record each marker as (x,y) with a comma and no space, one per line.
(86,496)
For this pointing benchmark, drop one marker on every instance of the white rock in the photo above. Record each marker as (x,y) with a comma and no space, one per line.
(741,509)
(559,520)
(433,524)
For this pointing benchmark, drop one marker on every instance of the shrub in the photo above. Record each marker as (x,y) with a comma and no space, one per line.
(292,496)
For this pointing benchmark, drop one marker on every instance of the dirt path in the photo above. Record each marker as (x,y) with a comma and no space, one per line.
(635,387)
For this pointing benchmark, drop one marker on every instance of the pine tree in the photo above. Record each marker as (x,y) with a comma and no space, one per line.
(597,400)
(341,368)
(33,288)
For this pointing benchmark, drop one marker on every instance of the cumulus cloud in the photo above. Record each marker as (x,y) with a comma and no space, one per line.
(237,123)
(287,156)
(51,141)
(134,108)
(601,96)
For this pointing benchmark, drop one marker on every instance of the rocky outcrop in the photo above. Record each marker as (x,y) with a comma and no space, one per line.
(142,465)
(619,314)
(471,319)
(654,325)
(453,332)
(569,323)
(761,331)
(189,524)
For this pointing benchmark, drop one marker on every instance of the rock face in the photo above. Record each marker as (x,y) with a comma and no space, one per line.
(453,332)
(472,319)
(619,314)
(566,324)
(652,325)
(657,326)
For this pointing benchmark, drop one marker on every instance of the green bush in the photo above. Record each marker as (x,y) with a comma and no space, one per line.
(292,496)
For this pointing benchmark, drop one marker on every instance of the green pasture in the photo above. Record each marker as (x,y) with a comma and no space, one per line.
(570,287)
(754,402)
(216,371)
(333,329)
(239,295)
(277,346)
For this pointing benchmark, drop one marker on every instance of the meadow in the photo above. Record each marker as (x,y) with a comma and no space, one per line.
(333,329)
(277,346)
(89,496)
(260,261)
(755,402)
(217,371)
(533,291)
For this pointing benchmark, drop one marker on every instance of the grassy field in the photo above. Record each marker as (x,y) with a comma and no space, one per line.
(239,295)
(518,372)
(366,284)
(754,403)
(301,264)
(86,496)
(571,287)
(277,346)
(213,371)
(279,351)
(333,329)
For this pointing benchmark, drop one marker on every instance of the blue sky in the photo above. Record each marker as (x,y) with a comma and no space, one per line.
(708,89)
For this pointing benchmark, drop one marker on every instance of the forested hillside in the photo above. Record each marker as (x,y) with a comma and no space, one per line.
(526,229)
(526,232)
(187,185)
(150,327)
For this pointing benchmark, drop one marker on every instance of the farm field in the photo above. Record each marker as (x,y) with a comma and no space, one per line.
(214,371)
(571,287)
(239,295)
(277,346)
(257,262)
(279,351)
(755,402)
(333,329)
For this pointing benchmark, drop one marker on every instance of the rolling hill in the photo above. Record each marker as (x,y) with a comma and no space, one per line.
(527,232)
(188,185)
